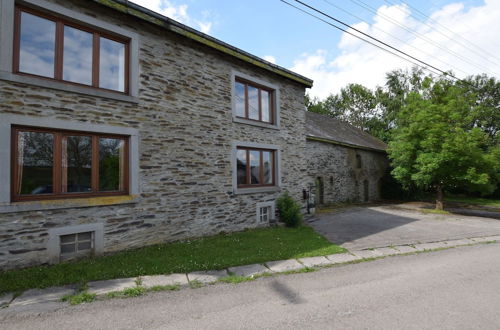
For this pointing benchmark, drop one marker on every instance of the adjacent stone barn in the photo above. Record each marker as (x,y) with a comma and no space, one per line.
(121,128)
(346,164)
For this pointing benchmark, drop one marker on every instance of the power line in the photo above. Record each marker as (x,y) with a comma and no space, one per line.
(367,41)
(396,38)
(441,33)
(375,39)
(419,35)
(451,31)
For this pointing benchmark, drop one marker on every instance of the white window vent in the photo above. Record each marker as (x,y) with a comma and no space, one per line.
(265,212)
(72,242)
(76,245)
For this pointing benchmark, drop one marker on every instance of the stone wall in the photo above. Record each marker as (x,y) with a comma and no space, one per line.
(186,132)
(336,167)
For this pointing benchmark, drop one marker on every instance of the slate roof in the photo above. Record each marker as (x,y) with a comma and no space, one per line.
(333,130)
(145,14)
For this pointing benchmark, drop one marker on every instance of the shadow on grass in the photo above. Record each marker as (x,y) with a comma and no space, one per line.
(216,252)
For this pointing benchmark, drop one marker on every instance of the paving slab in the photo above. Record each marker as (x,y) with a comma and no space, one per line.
(249,270)
(482,239)
(495,238)
(406,249)
(6,299)
(209,276)
(366,254)
(284,265)
(431,246)
(315,261)
(104,287)
(38,296)
(164,280)
(340,258)
(459,242)
(387,251)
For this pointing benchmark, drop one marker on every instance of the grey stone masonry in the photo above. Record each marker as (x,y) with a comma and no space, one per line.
(183,116)
(341,179)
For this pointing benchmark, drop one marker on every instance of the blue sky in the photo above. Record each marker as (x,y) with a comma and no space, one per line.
(271,29)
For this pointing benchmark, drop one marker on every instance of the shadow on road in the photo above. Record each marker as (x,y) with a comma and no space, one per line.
(287,293)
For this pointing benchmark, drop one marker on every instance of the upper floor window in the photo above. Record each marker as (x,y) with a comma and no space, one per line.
(59,164)
(254,102)
(50,47)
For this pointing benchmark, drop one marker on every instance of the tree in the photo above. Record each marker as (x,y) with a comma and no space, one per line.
(435,145)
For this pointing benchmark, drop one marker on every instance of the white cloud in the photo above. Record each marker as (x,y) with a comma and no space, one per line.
(270,58)
(358,62)
(176,12)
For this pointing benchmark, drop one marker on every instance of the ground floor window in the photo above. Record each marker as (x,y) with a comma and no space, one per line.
(255,167)
(57,163)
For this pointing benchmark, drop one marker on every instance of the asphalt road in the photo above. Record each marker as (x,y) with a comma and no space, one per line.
(451,289)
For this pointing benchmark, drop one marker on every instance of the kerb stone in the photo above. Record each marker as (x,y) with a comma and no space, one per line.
(164,280)
(249,270)
(315,261)
(284,265)
(104,287)
(406,249)
(210,276)
(366,254)
(342,257)
(37,296)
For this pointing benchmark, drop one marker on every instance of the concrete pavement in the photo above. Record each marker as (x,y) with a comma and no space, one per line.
(448,289)
(357,228)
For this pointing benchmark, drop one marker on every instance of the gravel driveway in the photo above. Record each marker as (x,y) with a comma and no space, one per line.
(379,226)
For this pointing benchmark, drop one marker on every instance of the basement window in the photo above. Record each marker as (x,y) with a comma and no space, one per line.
(265,212)
(76,245)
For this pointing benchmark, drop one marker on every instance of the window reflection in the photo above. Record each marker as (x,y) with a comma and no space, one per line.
(265,102)
(241,169)
(35,152)
(77,164)
(111,164)
(77,57)
(253,103)
(267,159)
(37,45)
(240,99)
(255,167)
(112,65)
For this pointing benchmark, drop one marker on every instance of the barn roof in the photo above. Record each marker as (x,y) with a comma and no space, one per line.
(327,129)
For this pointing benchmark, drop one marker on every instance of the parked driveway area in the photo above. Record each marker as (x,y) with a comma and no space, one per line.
(357,228)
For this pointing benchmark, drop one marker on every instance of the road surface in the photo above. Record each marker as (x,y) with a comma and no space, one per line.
(452,289)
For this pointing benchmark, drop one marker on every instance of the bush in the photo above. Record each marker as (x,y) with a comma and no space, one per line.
(289,210)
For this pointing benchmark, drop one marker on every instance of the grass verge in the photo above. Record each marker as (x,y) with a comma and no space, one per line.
(473,201)
(215,252)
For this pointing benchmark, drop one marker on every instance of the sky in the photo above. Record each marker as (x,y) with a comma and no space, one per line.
(456,35)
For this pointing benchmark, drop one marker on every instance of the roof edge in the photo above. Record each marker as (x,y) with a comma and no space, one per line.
(150,16)
(354,146)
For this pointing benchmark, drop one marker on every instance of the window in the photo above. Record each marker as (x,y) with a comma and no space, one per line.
(254,102)
(74,245)
(255,167)
(50,47)
(49,163)
(265,214)
(358,161)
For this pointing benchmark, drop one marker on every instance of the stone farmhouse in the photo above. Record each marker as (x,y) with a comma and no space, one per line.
(346,163)
(121,128)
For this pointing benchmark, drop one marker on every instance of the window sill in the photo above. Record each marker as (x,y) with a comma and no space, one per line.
(255,123)
(59,85)
(67,203)
(243,191)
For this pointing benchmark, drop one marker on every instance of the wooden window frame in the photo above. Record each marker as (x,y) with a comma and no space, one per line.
(260,88)
(59,50)
(57,171)
(248,183)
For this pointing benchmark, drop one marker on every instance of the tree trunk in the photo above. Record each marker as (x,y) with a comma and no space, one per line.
(439,197)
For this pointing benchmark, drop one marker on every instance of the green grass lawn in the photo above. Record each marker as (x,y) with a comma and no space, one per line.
(216,252)
(474,200)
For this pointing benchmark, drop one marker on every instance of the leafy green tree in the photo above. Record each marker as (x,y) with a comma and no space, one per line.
(435,145)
